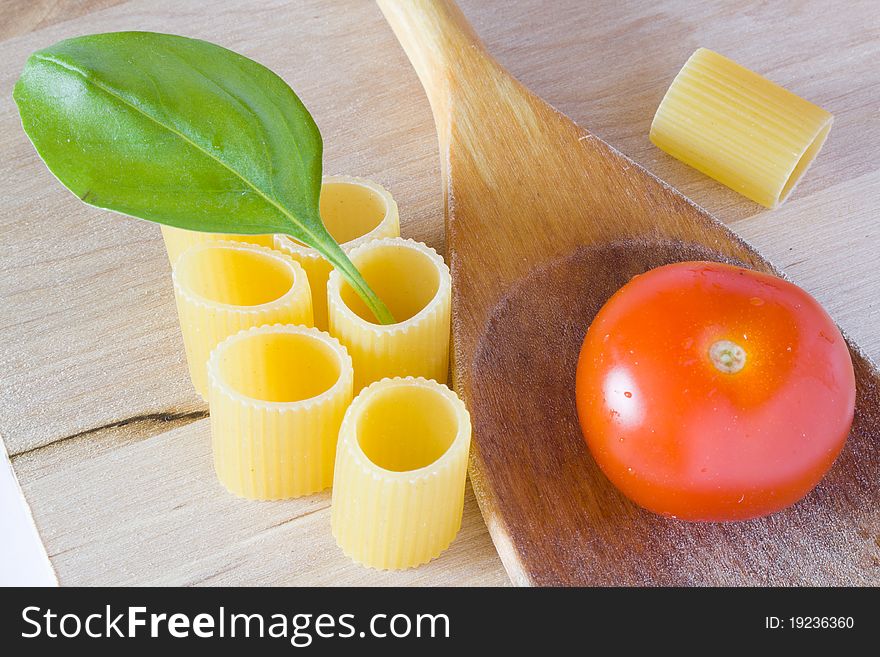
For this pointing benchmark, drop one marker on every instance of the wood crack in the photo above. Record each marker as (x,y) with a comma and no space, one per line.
(170,418)
(287,521)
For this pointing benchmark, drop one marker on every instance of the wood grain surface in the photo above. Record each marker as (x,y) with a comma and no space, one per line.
(108,439)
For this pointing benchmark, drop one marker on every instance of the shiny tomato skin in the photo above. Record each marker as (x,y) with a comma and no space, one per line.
(681,435)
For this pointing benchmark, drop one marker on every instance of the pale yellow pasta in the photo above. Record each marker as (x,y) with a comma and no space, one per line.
(739,128)
(415,284)
(277,397)
(178,240)
(355,211)
(401,463)
(223,287)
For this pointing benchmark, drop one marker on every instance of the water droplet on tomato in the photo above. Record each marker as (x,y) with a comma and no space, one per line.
(756,301)
(627,394)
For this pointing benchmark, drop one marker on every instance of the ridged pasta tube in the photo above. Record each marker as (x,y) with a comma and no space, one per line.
(277,397)
(178,240)
(355,211)
(223,287)
(401,464)
(415,284)
(739,128)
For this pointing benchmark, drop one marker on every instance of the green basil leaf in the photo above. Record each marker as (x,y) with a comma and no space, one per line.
(181,132)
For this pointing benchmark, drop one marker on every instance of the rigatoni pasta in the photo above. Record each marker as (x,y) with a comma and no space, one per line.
(415,284)
(739,128)
(277,397)
(401,464)
(178,240)
(355,211)
(223,287)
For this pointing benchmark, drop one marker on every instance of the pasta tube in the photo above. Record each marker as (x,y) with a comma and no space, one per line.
(401,463)
(277,396)
(415,284)
(178,240)
(739,128)
(222,287)
(355,211)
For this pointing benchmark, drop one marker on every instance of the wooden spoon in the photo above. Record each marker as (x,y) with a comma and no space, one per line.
(544,222)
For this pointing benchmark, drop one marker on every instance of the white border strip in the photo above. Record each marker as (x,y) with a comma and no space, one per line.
(23,557)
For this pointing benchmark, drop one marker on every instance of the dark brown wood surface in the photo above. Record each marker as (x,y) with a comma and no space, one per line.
(544,222)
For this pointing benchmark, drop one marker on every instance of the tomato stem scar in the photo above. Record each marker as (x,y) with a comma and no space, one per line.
(727,356)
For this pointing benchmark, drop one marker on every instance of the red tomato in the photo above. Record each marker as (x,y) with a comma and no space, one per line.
(711,392)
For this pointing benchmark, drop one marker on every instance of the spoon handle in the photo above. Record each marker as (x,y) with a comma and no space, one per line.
(443,48)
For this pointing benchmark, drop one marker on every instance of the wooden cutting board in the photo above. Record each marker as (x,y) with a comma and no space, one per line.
(109,442)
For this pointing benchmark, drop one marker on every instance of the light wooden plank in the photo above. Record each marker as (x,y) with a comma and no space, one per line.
(828,243)
(608,64)
(23,16)
(172,523)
